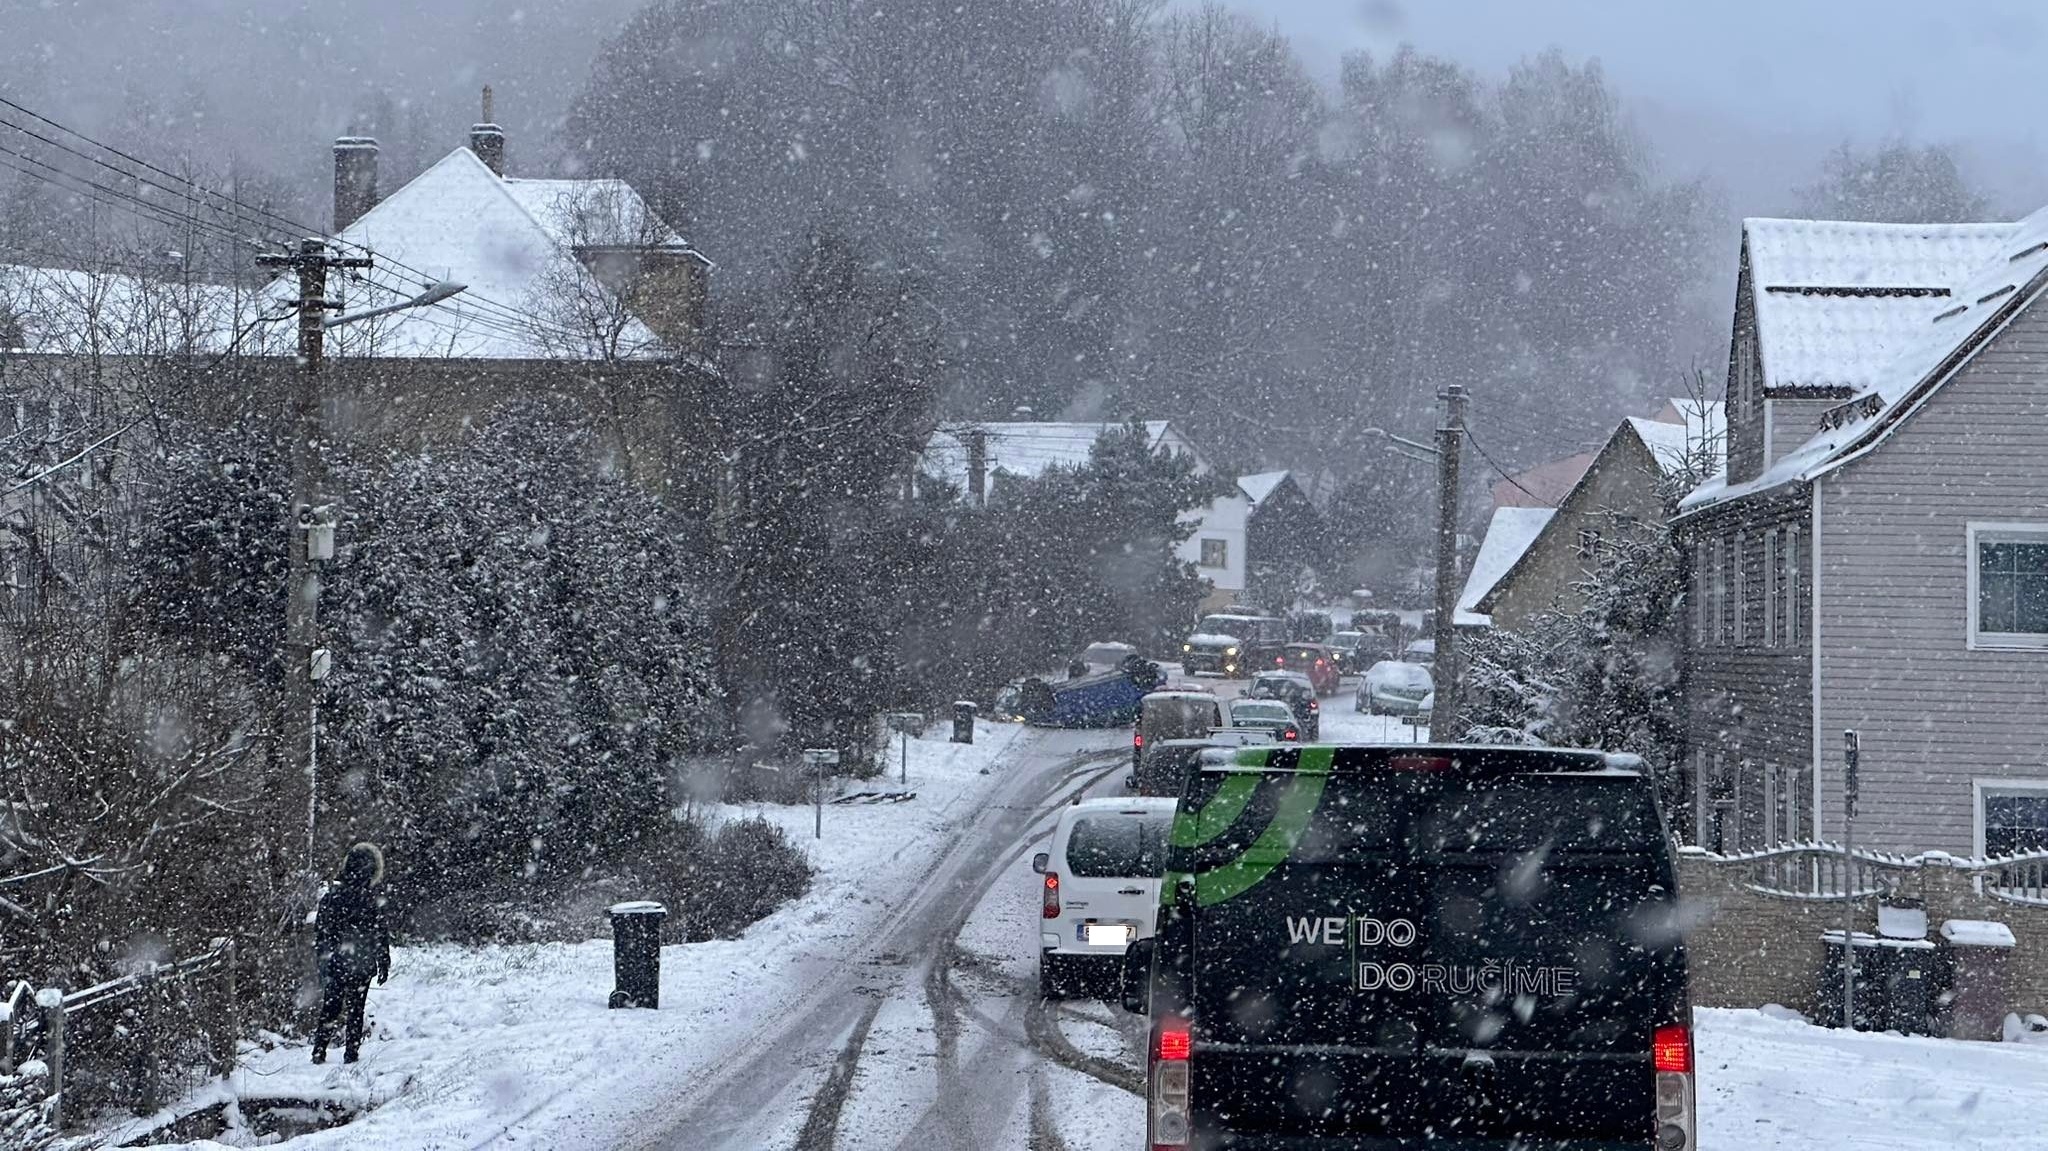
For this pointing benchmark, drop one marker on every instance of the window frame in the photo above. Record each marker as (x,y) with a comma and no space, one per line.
(1788,548)
(1741,580)
(1222,551)
(1996,531)
(1982,789)
(1720,592)
(1774,585)
(1701,636)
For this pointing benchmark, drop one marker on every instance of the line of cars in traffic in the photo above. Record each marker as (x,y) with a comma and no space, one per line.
(1386,946)
(1353,946)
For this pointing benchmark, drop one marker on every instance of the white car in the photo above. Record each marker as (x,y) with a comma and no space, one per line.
(1099,889)
(1391,687)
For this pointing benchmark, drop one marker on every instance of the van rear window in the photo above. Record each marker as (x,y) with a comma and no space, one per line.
(1103,846)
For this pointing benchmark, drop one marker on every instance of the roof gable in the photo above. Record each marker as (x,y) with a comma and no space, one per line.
(2008,282)
(458,221)
(1258,487)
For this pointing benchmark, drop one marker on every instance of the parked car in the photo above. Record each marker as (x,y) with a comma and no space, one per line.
(1100,888)
(1269,714)
(1177,713)
(1232,645)
(1314,660)
(1394,687)
(1422,651)
(1349,648)
(1104,656)
(1293,689)
(1368,957)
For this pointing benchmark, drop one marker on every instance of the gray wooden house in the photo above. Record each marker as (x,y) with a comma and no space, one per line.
(1875,556)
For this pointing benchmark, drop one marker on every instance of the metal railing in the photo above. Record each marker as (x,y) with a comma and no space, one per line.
(120,1040)
(1822,872)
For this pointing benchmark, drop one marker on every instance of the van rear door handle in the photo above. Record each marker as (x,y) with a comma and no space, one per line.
(1131,891)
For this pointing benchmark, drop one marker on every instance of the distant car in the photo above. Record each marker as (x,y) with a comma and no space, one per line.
(1271,714)
(1293,689)
(1393,687)
(1100,889)
(1104,656)
(1168,763)
(1176,713)
(1349,647)
(1314,660)
(1422,651)
(1232,645)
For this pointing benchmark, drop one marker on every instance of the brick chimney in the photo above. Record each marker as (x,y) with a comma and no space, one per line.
(355,179)
(487,140)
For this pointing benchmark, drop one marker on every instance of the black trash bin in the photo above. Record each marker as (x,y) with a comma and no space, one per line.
(963,721)
(636,953)
(1870,985)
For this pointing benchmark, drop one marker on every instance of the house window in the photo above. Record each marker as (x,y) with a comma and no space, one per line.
(1774,590)
(2008,585)
(1720,592)
(1215,553)
(1794,614)
(2012,817)
(1741,579)
(1773,784)
(1700,633)
(1745,373)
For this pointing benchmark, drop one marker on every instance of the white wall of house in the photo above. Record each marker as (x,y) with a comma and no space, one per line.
(1219,527)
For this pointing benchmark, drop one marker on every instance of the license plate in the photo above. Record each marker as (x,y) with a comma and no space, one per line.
(1098,934)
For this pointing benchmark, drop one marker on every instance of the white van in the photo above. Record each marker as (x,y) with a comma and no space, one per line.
(1100,889)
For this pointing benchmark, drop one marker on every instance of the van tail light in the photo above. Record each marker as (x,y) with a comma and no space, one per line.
(1677,1107)
(1315,705)
(1138,739)
(1052,895)
(1167,1114)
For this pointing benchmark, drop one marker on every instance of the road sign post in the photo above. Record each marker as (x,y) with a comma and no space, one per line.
(818,759)
(1852,753)
(906,722)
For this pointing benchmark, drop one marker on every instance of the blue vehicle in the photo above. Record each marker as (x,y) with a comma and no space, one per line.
(1108,698)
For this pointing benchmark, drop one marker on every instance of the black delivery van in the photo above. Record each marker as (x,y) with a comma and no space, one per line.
(1442,947)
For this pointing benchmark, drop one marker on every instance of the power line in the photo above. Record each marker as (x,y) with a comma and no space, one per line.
(1473,440)
(475,302)
(80,185)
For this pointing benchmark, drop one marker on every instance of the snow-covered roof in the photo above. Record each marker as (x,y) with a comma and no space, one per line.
(64,311)
(1675,446)
(1261,485)
(1836,301)
(595,212)
(2007,281)
(1544,485)
(1508,536)
(460,221)
(1025,449)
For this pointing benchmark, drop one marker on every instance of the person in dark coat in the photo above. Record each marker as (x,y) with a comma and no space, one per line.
(353,945)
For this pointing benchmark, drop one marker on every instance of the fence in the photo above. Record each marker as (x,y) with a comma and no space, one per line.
(1755,919)
(123,1041)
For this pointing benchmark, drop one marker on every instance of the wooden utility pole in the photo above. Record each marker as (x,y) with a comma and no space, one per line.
(298,730)
(1450,433)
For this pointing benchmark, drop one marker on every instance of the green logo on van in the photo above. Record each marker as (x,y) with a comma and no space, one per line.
(1291,813)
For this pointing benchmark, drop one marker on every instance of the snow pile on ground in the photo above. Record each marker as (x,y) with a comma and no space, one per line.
(1769,1083)
(468,1046)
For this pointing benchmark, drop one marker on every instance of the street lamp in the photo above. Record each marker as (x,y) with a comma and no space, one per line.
(436,292)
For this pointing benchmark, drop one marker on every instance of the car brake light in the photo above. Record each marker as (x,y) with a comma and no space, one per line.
(1138,740)
(1315,705)
(1671,1049)
(1052,895)
(1289,735)
(1677,1106)
(1167,1119)
(1175,1043)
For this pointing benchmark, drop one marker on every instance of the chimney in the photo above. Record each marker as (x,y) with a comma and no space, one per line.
(355,179)
(977,468)
(487,140)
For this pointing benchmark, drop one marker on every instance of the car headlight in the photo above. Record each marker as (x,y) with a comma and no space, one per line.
(1229,651)
(1187,647)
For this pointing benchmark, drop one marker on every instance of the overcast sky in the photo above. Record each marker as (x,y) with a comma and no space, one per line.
(1751,91)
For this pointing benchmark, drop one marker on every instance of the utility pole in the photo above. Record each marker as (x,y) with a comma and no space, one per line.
(305,545)
(1450,433)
